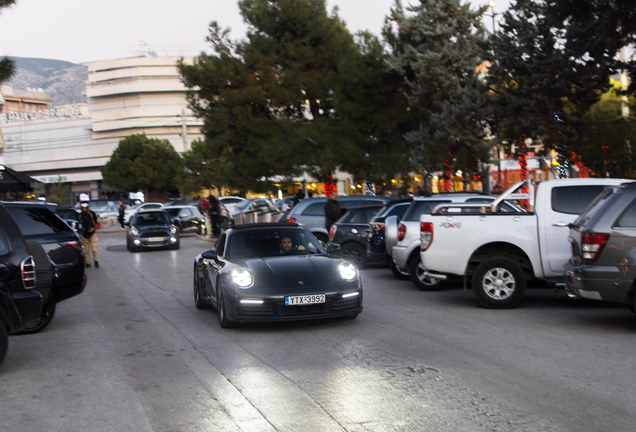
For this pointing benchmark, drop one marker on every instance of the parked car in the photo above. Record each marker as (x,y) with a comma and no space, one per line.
(230,202)
(187,219)
(402,238)
(350,232)
(180,203)
(310,212)
(501,251)
(62,245)
(376,246)
(603,241)
(25,281)
(151,229)
(274,272)
(130,211)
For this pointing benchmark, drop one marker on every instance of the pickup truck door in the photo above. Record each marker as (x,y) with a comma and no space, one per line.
(560,207)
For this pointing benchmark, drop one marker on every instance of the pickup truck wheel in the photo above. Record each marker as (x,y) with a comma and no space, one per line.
(400,274)
(419,279)
(499,283)
(4,342)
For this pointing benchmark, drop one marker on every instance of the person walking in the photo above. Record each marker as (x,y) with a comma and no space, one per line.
(122,212)
(215,210)
(333,212)
(90,224)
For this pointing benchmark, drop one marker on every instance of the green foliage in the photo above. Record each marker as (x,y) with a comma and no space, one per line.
(58,193)
(7,68)
(551,61)
(436,47)
(140,163)
(298,94)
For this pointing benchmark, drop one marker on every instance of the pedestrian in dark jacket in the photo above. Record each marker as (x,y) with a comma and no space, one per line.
(333,212)
(298,197)
(90,224)
(122,212)
(214,207)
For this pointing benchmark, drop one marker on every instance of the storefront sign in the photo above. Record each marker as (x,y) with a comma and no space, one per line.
(52,179)
(12,117)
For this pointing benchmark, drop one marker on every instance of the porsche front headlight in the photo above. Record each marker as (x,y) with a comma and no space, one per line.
(173,230)
(347,271)
(242,277)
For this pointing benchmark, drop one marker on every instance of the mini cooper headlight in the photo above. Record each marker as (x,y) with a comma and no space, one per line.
(134,232)
(173,230)
(347,271)
(242,277)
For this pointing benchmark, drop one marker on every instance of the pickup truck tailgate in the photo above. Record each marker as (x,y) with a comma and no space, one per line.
(456,237)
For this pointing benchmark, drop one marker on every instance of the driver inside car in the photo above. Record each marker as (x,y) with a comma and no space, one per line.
(286,245)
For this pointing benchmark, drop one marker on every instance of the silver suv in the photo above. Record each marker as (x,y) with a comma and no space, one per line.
(310,212)
(403,239)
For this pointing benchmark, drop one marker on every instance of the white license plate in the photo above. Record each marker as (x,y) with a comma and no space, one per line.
(304,300)
(155,239)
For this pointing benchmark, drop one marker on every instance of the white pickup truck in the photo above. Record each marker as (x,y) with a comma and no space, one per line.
(501,251)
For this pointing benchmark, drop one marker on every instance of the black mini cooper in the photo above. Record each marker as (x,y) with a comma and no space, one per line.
(151,229)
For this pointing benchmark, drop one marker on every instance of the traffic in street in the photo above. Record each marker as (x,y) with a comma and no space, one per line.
(134,353)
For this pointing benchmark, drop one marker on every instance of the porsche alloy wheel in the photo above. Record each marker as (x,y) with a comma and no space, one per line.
(198,301)
(220,309)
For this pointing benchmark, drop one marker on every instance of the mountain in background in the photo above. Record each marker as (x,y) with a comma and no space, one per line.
(62,81)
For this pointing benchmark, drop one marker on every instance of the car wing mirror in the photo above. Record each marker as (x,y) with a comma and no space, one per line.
(127,223)
(332,248)
(209,254)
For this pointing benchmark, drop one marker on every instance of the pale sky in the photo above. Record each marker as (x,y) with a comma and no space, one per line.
(88,30)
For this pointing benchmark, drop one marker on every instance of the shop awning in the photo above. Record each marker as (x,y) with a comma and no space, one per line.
(13,181)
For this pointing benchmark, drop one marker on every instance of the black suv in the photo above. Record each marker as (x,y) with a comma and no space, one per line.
(603,238)
(38,223)
(25,281)
(350,232)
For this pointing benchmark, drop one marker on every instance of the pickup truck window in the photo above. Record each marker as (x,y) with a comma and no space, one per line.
(418,208)
(574,199)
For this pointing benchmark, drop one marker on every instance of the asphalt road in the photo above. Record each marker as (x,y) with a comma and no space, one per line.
(132,353)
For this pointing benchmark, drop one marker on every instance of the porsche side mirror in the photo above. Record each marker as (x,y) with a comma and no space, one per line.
(332,248)
(209,254)
(127,224)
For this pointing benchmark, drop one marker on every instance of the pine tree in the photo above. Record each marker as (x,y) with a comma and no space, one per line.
(436,46)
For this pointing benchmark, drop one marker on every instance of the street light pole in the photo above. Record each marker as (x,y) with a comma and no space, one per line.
(491,5)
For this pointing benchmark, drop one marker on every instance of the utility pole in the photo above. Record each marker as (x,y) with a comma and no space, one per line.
(184,134)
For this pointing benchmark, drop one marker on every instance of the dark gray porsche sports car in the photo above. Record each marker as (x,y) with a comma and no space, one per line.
(275,272)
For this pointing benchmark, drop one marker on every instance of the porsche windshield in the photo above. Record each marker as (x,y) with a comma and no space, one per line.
(272,242)
(154,218)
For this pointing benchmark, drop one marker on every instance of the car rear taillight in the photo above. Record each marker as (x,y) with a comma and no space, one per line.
(592,244)
(27,269)
(332,232)
(75,245)
(401,232)
(426,235)
(376,226)
(291,219)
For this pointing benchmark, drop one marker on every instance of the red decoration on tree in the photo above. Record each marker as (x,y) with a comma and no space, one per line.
(448,174)
(330,187)
(523,174)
